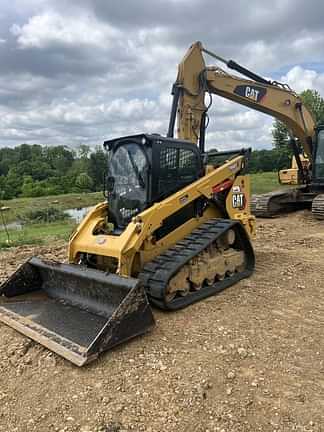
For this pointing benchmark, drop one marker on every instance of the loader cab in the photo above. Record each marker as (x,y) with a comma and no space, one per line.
(318,157)
(145,169)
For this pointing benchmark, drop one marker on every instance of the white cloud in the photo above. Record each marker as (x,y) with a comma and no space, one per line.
(82,123)
(50,28)
(82,71)
(301,79)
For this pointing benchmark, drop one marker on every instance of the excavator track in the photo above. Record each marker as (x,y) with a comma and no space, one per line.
(259,205)
(318,207)
(213,257)
(272,204)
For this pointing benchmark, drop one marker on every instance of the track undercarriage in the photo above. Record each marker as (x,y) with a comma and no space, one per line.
(213,257)
(280,202)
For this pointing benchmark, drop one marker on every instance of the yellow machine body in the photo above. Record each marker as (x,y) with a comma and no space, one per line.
(291,176)
(136,245)
(184,241)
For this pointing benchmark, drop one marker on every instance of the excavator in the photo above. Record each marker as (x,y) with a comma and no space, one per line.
(307,172)
(175,226)
(281,102)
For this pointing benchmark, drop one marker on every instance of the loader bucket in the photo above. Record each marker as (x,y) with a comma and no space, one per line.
(72,310)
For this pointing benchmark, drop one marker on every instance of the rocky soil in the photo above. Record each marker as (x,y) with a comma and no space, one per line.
(248,359)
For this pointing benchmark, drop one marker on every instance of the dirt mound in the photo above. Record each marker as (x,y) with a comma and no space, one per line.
(249,359)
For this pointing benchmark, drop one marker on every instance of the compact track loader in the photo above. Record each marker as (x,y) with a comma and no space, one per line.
(175,228)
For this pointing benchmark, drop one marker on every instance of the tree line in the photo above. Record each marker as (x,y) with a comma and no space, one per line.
(35,170)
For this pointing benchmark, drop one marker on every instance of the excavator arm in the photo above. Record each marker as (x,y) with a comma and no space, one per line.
(195,80)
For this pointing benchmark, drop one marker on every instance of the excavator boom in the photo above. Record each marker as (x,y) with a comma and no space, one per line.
(195,79)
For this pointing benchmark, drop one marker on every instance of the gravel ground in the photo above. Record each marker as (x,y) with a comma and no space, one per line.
(248,359)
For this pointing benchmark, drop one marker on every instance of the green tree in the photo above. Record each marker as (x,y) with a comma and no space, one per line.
(32,188)
(35,170)
(280,135)
(2,187)
(25,152)
(83,151)
(59,158)
(14,183)
(268,160)
(27,186)
(98,167)
(314,103)
(8,158)
(83,182)
(78,166)
(41,170)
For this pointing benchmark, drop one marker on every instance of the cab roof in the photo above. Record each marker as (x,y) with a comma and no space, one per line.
(109,144)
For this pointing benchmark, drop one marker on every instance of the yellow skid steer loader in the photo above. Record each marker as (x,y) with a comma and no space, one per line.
(175,228)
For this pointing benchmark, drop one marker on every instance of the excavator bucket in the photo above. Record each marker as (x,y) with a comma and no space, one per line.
(72,310)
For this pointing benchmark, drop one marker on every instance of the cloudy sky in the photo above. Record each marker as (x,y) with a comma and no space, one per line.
(81,71)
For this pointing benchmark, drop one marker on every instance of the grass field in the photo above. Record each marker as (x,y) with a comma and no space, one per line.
(264,182)
(20,206)
(41,233)
(36,234)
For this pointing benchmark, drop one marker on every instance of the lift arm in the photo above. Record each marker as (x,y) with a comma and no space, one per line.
(195,80)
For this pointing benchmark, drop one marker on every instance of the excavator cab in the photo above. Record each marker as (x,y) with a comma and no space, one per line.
(143,170)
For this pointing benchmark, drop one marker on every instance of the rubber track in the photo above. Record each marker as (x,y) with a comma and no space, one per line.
(157,273)
(318,207)
(266,206)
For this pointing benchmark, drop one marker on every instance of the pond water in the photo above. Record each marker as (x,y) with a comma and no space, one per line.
(76,214)
(11,226)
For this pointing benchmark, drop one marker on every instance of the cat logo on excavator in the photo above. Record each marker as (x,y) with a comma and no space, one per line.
(251,92)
